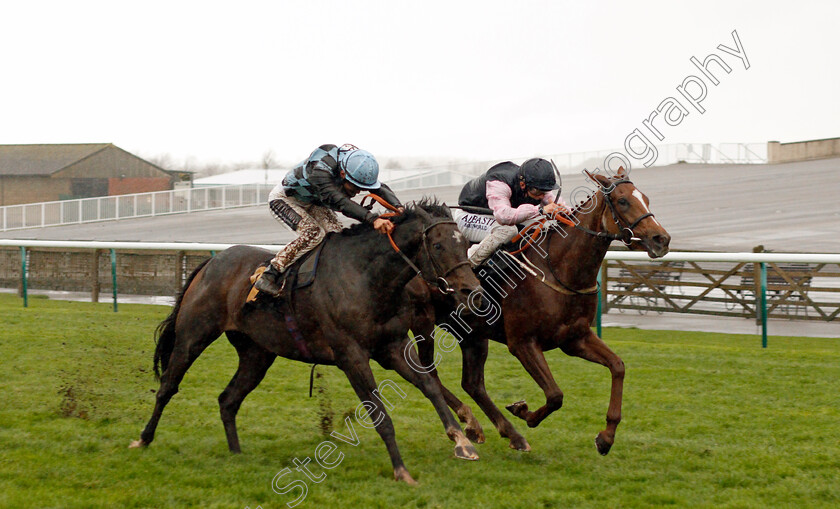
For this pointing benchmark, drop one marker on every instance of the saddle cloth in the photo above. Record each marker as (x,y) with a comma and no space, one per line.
(300,275)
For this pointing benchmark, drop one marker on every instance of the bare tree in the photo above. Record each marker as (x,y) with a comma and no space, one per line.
(269,160)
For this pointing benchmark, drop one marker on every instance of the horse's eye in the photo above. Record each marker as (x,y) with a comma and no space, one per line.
(623,202)
(437,245)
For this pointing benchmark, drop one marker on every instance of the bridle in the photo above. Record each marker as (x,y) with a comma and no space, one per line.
(438,280)
(626,235)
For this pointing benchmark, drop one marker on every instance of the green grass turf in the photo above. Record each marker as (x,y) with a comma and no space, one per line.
(710,420)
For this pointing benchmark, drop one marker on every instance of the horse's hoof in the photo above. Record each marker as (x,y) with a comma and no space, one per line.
(519,409)
(520,444)
(466,452)
(602,444)
(136,444)
(401,474)
(476,436)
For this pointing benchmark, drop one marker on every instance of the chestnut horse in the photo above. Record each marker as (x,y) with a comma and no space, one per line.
(356,310)
(538,316)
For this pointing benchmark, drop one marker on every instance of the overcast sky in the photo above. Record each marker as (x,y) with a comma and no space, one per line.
(226,82)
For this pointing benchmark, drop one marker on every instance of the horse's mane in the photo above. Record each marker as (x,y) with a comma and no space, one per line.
(578,206)
(430,204)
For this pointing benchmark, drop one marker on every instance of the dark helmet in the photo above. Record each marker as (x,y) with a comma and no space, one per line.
(538,173)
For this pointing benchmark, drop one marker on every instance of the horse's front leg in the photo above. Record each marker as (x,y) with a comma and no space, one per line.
(474,353)
(426,351)
(400,356)
(531,356)
(356,365)
(593,348)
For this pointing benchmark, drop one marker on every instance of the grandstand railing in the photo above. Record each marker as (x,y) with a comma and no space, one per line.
(105,208)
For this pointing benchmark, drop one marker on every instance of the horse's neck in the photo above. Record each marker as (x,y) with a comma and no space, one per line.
(577,257)
(382,265)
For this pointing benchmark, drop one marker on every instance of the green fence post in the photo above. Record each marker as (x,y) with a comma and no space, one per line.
(114,276)
(598,316)
(763,305)
(23,275)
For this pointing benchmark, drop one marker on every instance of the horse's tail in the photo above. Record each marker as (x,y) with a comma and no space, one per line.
(165,332)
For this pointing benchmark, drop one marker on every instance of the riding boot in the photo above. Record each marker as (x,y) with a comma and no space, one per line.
(483,250)
(271,282)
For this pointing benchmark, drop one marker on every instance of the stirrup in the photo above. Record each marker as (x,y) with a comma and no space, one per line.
(268,282)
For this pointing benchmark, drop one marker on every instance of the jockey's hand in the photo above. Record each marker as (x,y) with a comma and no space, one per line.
(553,208)
(383,226)
(401,210)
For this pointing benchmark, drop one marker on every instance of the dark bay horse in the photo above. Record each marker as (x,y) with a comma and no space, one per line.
(355,311)
(538,317)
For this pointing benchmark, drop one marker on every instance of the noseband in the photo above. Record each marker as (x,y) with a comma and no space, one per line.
(440,281)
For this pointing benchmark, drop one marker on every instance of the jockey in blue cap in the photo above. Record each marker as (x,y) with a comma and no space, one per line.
(308,196)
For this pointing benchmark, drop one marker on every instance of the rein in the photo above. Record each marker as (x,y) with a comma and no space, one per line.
(439,282)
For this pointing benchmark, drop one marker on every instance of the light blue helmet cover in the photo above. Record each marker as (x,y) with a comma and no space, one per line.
(360,168)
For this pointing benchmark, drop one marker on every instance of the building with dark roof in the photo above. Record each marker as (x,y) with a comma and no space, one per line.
(39,173)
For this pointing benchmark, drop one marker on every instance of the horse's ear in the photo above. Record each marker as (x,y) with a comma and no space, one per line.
(423,213)
(598,179)
(621,172)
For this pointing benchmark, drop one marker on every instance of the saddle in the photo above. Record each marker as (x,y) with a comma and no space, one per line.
(300,275)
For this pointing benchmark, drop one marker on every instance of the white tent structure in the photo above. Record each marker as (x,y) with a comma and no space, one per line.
(397,179)
(247,176)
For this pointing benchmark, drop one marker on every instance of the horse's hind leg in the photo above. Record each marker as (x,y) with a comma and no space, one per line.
(593,349)
(254,362)
(399,355)
(356,365)
(473,430)
(474,353)
(187,349)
